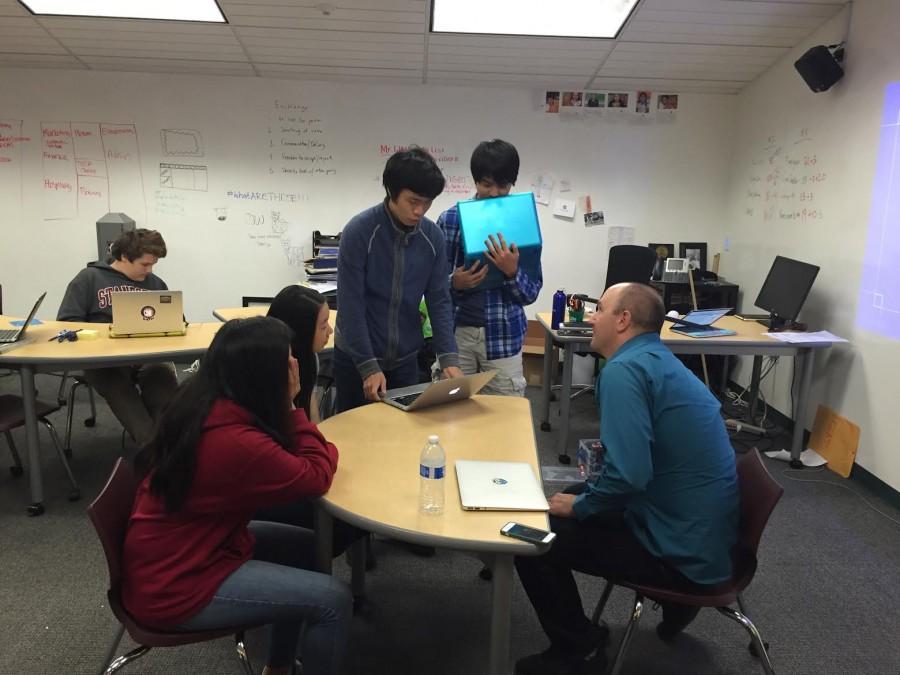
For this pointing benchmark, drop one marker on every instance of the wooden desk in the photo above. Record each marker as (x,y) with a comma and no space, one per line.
(229,313)
(379,450)
(35,353)
(749,341)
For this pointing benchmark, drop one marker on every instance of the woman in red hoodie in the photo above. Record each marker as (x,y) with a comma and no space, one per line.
(232,442)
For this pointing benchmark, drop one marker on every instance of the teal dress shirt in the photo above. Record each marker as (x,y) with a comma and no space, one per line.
(669,465)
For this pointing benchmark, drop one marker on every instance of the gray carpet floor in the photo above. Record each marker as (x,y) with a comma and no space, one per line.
(826,596)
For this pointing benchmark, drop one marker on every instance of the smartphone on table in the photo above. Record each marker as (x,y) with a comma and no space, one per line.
(530,534)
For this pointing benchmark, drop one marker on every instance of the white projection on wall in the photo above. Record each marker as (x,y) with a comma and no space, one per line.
(878,306)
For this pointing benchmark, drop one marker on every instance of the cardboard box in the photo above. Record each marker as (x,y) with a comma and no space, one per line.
(533,354)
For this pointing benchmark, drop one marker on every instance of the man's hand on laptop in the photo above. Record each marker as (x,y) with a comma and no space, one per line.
(465,278)
(451,372)
(561,505)
(374,384)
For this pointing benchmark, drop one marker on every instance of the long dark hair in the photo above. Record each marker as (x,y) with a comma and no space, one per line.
(247,363)
(299,307)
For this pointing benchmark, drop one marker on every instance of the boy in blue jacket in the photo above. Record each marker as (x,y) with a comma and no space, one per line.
(391,256)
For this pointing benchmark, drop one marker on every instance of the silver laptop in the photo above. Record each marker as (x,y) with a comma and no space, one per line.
(499,486)
(8,336)
(147,314)
(420,396)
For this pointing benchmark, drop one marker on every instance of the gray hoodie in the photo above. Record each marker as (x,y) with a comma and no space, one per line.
(87,295)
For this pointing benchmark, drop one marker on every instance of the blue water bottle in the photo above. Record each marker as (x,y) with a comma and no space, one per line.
(559,309)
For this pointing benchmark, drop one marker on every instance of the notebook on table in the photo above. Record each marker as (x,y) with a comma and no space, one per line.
(499,486)
(8,336)
(147,314)
(420,396)
(698,323)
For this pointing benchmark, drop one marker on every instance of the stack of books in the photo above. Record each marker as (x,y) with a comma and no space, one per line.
(322,267)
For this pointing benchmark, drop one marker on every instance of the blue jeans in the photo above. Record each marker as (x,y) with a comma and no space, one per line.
(272,588)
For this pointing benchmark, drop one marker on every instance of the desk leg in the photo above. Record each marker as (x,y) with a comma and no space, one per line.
(501,607)
(754,387)
(324,534)
(36,507)
(806,357)
(548,376)
(565,402)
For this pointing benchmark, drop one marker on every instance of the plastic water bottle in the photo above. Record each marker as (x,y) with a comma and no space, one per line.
(559,309)
(431,477)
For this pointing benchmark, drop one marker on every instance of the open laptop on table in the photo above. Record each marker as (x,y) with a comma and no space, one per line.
(499,486)
(420,396)
(147,314)
(698,323)
(10,335)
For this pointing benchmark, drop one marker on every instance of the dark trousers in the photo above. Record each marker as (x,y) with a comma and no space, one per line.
(602,546)
(349,384)
(302,514)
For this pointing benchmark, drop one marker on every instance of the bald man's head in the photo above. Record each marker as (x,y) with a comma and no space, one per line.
(644,304)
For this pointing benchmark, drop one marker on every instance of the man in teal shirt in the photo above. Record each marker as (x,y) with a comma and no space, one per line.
(664,509)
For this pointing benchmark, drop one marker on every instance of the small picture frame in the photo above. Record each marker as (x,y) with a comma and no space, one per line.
(695,252)
(663,252)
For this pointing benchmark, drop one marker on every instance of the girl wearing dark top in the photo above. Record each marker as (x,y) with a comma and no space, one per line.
(231,442)
(306,312)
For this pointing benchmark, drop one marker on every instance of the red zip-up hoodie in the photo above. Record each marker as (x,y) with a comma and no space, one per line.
(173,563)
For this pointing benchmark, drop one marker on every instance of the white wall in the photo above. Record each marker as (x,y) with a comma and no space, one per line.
(860,381)
(666,177)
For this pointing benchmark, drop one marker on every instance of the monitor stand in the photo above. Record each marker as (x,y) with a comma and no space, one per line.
(775,322)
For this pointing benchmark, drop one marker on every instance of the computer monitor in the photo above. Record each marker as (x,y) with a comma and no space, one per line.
(785,289)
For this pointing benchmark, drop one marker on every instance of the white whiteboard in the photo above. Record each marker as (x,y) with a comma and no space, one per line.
(237,172)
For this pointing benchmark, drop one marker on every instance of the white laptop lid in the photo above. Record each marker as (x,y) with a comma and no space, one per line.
(439,392)
(147,312)
(499,486)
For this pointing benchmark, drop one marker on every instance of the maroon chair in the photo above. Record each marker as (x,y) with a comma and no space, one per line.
(759,495)
(109,513)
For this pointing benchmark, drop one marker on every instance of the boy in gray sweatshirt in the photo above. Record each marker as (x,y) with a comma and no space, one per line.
(135,394)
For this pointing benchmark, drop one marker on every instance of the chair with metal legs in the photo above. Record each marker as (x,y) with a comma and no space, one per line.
(759,495)
(109,513)
(12,416)
(69,402)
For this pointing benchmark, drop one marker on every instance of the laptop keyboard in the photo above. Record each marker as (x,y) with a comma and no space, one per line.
(8,335)
(407,399)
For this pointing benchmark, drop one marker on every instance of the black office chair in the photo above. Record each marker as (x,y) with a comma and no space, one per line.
(629,263)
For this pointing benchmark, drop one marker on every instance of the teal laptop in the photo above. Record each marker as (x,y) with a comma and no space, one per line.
(698,323)
(513,216)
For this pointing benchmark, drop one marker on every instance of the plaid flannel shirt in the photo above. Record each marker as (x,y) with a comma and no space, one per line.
(504,318)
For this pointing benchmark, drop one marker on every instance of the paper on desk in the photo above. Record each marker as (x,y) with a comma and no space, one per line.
(323,286)
(19,322)
(808,457)
(798,337)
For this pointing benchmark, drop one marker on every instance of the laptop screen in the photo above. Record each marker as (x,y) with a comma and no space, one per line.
(706,317)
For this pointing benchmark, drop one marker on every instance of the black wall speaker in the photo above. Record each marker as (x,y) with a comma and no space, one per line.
(820,68)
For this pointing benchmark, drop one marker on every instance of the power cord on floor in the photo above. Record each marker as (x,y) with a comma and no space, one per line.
(786,473)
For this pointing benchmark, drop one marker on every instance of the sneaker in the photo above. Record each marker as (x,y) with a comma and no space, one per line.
(563,661)
(675,619)
(555,661)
